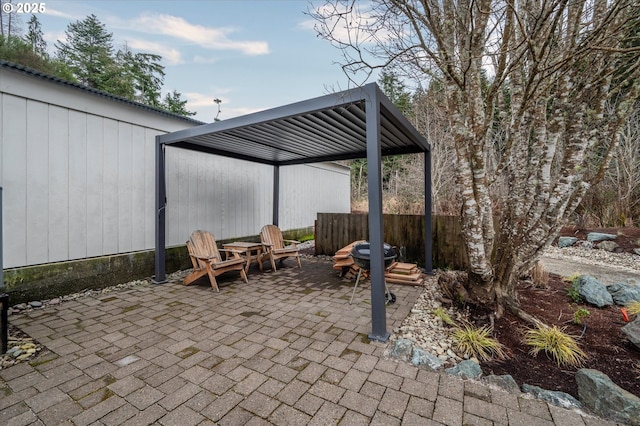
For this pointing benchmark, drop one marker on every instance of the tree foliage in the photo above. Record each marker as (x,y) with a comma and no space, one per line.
(88,51)
(535,94)
(88,57)
(174,103)
(35,37)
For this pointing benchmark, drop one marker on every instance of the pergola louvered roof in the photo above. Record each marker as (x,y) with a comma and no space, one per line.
(328,128)
(356,123)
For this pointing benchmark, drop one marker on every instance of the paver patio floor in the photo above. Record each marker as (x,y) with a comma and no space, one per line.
(284,349)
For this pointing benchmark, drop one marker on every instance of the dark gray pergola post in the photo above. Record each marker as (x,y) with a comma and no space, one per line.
(276,194)
(428,232)
(376,225)
(161,204)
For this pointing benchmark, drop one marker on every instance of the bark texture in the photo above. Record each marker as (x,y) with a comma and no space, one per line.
(536,93)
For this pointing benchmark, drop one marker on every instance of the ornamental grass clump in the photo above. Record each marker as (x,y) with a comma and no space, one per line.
(474,341)
(633,308)
(439,312)
(559,345)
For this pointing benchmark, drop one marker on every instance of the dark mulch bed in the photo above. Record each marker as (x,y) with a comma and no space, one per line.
(607,348)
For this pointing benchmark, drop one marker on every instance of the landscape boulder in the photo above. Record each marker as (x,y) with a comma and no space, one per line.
(561,399)
(637,251)
(566,241)
(401,349)
(606,399)
(504,381)
(608,246)
(466,369)
(593,291)
(632,331)
(623,294)
(599,236)
(422,357)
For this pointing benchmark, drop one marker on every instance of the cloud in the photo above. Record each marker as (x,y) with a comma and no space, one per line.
(171,55)
(60,14)
(202,60)
(205,37)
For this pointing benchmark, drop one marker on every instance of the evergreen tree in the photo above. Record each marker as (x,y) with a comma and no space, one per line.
(36,38)
(89,53)
(173,103)
(144,73)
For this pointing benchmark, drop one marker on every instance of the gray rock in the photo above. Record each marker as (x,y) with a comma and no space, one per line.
(593,291)
(560,399)
(55,301)
(401,349)
(35,304)
(584,244)
(623,294)
(422,357)
(632,331)
(637,251)
(608,246)
(466,369)
(20,306)
(599,236)
(505,382)
(566,241)
(606,399)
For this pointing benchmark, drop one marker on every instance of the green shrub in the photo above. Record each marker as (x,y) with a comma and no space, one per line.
(579,315)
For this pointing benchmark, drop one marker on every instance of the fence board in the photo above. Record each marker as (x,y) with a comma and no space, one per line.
(336,230)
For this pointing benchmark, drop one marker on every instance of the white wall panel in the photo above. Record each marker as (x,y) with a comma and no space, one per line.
(110,209)
(125,193)
(309,189)
(58,184)
(14,169)
(138,187)
(37,219)
(78,174)
(77,208)
(150,186)
(95,182)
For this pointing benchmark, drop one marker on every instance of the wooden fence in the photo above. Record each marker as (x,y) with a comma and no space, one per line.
(336,230)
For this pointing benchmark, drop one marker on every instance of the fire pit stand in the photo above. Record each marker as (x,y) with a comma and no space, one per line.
(361,254)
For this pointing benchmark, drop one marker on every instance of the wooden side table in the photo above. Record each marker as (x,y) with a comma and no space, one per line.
(251,251)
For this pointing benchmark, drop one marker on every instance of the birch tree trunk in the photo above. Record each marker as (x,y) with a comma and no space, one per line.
(554,80)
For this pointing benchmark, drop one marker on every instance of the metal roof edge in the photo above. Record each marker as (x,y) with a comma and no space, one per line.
(346,97)
(386,103)
(57,80)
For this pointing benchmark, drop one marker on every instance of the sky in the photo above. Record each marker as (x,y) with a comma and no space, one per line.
(251,54)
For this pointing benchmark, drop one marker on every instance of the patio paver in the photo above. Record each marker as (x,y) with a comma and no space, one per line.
(284,349)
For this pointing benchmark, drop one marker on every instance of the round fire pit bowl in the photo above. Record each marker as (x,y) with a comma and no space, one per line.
(361,254)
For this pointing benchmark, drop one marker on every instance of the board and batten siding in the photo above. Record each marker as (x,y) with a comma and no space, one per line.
(78,178)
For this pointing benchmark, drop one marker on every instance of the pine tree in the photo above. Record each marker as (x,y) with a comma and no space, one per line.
(89,53)
(144,73)
(173,103)
(36,38)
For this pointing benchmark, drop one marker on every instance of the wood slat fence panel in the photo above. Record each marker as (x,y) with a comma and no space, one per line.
(336,230)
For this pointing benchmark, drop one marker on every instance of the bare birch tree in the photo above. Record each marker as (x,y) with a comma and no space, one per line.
(560,77)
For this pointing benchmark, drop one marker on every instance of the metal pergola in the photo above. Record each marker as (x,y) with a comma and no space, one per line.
(356,123)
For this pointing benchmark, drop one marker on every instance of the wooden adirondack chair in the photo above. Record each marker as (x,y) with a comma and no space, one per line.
(206,259)
(274,246)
